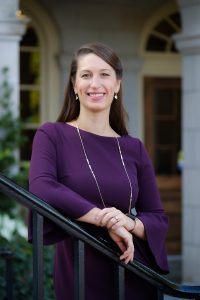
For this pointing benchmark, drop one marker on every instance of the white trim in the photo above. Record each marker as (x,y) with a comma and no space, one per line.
(29,87)
(49,45)
(29,49)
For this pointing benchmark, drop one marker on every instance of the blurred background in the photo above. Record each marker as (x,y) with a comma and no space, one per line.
(158,42)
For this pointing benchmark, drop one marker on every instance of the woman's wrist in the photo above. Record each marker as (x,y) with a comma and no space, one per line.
(133,223)
(133,227)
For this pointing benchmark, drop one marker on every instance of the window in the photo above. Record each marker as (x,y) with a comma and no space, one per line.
(30,88)
(160,38)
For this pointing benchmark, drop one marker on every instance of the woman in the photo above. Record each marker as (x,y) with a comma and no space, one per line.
(89,168)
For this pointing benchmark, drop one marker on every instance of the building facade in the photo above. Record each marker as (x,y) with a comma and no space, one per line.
(158,42)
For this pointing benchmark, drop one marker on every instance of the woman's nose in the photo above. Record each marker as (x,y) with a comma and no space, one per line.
(95,81)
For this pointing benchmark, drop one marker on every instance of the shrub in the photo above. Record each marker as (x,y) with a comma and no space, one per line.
(22,269)
(11,139)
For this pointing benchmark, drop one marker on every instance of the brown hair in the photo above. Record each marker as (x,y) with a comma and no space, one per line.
(71,107)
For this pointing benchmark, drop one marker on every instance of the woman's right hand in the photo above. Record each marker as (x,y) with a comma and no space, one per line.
(124,240)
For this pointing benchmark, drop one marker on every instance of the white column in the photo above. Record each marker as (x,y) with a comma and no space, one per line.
(132,66)
(12,27)
(64,61)
(188,42)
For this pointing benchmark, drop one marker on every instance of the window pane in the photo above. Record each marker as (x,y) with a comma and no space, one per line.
(29,106)
(163,102)
(176,18)
(26,148)
(165,28)
(166,132)
(29,67)
(173,48)
(30,38)
(155,44)
(164,162)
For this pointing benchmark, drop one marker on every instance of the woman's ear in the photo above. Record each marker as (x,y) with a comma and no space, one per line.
(118,84)
(74,86)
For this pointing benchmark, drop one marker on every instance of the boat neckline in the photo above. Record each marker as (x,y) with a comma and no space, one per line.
(94,134)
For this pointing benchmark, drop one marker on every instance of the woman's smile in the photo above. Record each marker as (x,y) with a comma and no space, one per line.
(96,96)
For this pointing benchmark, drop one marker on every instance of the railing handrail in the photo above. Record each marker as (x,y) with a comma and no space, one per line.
(29,200)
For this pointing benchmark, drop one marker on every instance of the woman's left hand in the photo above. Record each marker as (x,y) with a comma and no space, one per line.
(113,218)
(124,240)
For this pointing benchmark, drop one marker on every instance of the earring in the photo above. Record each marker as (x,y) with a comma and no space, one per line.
(76,95)
(115,96)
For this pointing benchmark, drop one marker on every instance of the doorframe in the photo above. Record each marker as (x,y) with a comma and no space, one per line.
(169,184)
(156,64)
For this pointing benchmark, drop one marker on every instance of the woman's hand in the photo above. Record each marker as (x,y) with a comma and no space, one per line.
(112,218)
(124,240)
(118,228)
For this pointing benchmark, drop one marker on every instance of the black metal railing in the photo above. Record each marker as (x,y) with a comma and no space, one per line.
(41,209)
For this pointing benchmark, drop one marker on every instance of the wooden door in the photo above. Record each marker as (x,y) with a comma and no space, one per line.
(163,142)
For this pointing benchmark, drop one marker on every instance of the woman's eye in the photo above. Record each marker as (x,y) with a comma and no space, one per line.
(86,75)
(105,74)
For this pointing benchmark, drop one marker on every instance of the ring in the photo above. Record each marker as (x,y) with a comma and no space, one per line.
(116,218)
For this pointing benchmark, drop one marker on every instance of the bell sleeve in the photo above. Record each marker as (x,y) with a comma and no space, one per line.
(150,211)
(44,183)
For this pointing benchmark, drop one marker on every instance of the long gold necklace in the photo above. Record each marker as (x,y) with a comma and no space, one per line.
(94,176)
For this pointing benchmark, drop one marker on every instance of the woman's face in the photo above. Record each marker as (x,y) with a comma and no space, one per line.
(95,83)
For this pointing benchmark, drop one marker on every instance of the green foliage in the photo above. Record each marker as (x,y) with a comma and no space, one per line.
(22,269)
(10,126)
(10,140)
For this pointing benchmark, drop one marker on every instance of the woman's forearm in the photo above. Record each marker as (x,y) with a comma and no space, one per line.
(90,217)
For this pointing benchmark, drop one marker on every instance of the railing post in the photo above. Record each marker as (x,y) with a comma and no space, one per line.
(79,270)
(38,285)
(119,282)
(7,256)
(160,295)
(9,277)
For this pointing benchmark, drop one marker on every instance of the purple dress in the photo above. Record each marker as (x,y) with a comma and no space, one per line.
(59,174)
